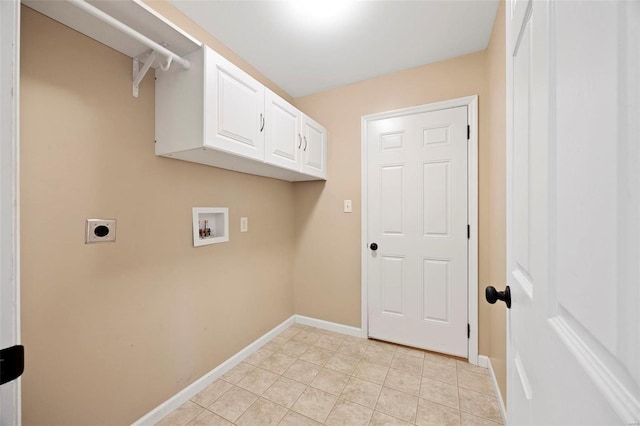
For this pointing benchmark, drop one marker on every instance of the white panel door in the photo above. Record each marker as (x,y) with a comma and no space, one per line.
(417,216)
(9,233)
(235,109)
(573,212)
(283,138)
(314,148)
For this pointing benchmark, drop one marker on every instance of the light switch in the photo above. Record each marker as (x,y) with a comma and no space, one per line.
(244,224)
(347,206)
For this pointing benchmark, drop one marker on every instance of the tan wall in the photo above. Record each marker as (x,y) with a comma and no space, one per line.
(327,254)
(327,262)
(497,196)
(113,330)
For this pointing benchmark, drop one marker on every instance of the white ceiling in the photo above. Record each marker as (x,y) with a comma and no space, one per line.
(305,53)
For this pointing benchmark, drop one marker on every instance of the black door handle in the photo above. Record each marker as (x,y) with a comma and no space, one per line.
(494,295)
(373,246)
(11,363)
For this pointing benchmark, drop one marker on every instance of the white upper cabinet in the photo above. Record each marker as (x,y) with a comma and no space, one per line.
(282,132)
(212,113)
(314,148)
(234,108)
(294,140)
(216,114)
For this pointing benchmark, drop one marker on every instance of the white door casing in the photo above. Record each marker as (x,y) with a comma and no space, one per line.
(573,212)
(417,166)
(10,407)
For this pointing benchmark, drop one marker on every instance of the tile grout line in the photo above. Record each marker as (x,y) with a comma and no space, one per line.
(282,375)
(212,402)
(415,420)
(382,387)
(458,393)
(299,396)
(385,377)
(349,376)
(306,387)
(191,419)
(279,376)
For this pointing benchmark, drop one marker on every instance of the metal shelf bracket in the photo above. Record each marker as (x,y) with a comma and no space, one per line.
(147,61)
(157,53)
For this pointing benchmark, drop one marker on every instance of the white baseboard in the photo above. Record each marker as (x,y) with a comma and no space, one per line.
(330,326)
(162,410)
(485,361)
(190,391)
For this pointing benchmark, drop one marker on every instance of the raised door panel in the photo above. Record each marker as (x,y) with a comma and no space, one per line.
(436,199)
(314,148)
(392,286)
(283,140)
(234,112)
(436,290)
(391,200)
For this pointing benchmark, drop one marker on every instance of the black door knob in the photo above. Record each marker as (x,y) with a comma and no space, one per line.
(373,246)
(494,295)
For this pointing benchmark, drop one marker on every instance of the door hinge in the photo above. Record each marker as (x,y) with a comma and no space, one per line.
(468,132)
(11,363)
(468,232)
(468,331)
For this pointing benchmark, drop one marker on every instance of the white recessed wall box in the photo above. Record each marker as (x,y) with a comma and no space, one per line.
(210,225)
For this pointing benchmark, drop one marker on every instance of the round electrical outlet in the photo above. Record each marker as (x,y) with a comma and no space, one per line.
(101,231)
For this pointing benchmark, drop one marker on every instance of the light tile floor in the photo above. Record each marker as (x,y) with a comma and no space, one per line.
(308,376)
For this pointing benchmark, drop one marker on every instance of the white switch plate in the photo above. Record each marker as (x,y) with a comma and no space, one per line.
(347,206)
(244,224)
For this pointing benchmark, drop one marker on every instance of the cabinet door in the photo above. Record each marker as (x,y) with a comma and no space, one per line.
(283,140)
(314,148)
(234,102)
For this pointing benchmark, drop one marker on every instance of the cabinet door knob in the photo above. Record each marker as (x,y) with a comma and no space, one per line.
(261,122)
(300,139)
(373,246)
(305,143)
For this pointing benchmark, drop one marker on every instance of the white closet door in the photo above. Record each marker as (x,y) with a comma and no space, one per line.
(417,210)
(573,212)
(9,236)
